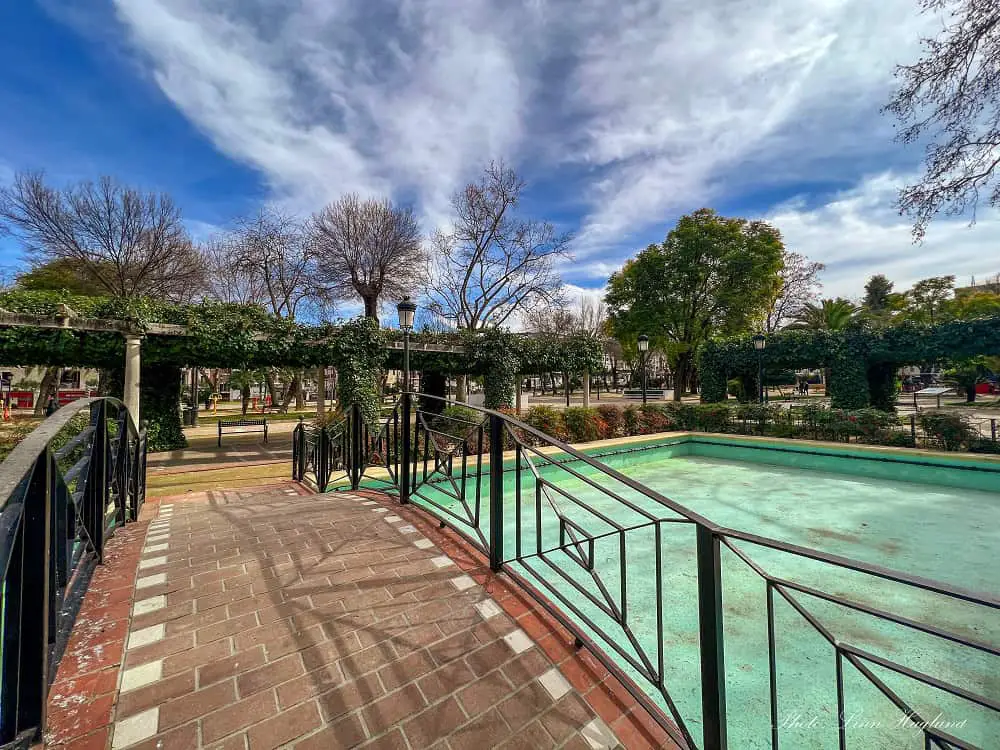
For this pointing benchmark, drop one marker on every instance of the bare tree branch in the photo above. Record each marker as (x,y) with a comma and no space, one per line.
(129,242)
(493,264)
(370,248)
(952,96)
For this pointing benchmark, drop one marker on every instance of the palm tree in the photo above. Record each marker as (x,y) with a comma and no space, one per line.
(829,315)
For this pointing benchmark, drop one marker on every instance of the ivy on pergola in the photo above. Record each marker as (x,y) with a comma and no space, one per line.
(862,361)
(233,336)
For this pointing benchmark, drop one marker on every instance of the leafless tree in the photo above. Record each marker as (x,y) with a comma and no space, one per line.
(952,96)
(493,264)
(131,243)
(227,277)
(370,248)
(272,251)
(270,260)
(799,286)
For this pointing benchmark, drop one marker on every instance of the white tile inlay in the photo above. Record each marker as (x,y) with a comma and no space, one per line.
(155,548)
(152,604)
(598,735)
(145,636)
(158,527)
(441,561)
(463,582)
(423,543)
(152,562)
(369,502)
(380,510)
(144,674)
(488,608)
(554,683)
(519,641)
(393,519)
(158,536)
(153,580)
(167,506)
(136,728)
(408,529)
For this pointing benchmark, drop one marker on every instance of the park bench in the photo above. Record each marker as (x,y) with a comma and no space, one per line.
(244,425)
(635,394)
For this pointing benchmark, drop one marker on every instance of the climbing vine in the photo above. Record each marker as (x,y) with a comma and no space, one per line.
(861,362)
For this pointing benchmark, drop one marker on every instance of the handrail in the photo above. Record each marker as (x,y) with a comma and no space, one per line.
(54,524)
(452,477)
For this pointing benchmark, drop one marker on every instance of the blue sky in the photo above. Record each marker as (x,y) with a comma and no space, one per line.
(622,116)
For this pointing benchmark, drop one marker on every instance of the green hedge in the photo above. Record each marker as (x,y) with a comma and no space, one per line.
(862,361)
(944,430)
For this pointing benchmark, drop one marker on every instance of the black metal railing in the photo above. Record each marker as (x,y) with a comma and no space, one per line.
(66,487)
(612,560)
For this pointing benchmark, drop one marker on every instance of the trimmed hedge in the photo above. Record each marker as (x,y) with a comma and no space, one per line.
(943,430)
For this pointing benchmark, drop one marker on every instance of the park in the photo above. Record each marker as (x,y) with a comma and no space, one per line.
(638,397)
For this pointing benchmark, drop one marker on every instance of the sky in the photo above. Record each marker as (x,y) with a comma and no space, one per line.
(620,116)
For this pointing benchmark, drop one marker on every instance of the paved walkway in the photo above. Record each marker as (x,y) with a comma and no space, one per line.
(269,618)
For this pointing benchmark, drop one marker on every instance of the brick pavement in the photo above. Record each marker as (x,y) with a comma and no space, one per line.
(267,618)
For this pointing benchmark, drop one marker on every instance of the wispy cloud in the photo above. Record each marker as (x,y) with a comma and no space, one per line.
(655,100)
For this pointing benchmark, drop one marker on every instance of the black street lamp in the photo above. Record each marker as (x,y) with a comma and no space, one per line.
(759,343)
(643,342)
(406,310)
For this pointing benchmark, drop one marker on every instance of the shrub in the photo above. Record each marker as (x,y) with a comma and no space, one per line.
(952,431)
(614,422)
(583,425)
(631,420)
(654,418)
(548,420)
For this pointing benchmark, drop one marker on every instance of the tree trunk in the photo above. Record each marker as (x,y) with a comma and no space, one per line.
(300,393)
(272,387)
(566,386)
(371,307)
(47,388)
(970,392)
(461,388)
(289,393)
(245,394)
(681,376)
(320,391)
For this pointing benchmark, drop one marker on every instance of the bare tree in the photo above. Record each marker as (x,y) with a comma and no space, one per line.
(952,96)
(227,277)
(370,248)
(131,243)
(272,251)
(799,286)
(269,255)
(492,263)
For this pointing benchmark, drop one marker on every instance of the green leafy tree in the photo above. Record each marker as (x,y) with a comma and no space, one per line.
(711,276)
(828,315)
(927,300)
(60,275)
(981,305)
(878,293)
(968,373)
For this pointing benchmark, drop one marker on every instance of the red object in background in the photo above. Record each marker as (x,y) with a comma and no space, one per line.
(983,388)
(68,397)
(22,399)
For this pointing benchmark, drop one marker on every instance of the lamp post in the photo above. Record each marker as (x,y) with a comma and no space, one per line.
(643,342)
(759,342)
(406,310)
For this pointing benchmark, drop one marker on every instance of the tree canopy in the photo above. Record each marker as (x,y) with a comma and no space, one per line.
(711,276)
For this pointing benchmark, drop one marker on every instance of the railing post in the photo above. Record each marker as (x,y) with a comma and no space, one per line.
(405,450)
(321,464)
(496,492)
(356,427)
(97,480)
(993,429)
(713,666)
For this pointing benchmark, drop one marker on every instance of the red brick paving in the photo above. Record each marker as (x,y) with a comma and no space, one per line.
(308,621)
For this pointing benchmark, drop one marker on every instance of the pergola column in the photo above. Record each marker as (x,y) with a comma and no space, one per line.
(133,344)
(586,389)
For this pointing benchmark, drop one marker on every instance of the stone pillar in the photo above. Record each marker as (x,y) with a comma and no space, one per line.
(131,396)
(517,396)
(586,389)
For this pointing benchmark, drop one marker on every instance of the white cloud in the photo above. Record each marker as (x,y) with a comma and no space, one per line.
(858,233)
(659,101)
